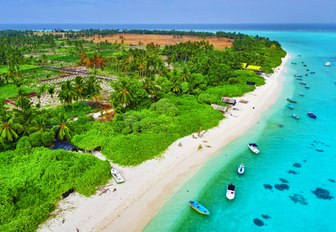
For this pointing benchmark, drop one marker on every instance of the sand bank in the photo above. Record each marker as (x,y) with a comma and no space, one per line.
(131,205)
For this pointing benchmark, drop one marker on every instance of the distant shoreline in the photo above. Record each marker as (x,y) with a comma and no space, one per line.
(149,185)
(328,27)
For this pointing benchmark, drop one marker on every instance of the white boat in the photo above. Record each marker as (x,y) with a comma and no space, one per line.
(241,169)
(230,192)
(327,64)
(117,176)
(254,148)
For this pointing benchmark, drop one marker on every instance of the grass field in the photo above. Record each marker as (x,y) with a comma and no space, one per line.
(24,67)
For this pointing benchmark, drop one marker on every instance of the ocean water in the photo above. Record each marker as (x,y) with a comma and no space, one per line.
(290,185)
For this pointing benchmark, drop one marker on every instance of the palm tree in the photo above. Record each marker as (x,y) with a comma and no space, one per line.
(79,87)
(67,94)
(92,87)
(63,129)
(9,128)
(51,91)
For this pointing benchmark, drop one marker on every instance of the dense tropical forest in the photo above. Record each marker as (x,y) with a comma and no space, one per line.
(129,102)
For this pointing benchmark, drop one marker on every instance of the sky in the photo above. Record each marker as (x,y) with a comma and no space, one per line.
(167,11)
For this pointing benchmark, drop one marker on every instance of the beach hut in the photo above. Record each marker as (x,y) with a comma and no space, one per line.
(230,101)
(254,68)
(222,109)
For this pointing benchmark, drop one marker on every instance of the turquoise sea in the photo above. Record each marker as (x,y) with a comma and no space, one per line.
(290,185)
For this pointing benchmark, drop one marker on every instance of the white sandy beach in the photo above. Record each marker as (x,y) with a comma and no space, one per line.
(149,185)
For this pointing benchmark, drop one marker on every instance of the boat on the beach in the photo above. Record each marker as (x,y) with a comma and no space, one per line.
(291,100)
(241,169)
(312,115)
(328,63)
(199,208)
(117,176)
(231,192)
(290,106)
(254,148)
(295,116)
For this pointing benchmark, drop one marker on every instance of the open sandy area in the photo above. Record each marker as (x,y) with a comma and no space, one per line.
(149,185)
(162,40)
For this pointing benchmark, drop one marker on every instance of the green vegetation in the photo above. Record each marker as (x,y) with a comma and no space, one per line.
(161,94)
(32,184)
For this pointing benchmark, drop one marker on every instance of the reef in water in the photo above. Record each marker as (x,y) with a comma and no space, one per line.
(265,216)
(292,172)
(281,187)
(258,222)
(297,198)
(283,180)
(322,194)
(297,165)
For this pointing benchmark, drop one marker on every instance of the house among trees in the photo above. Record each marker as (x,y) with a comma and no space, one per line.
(230,101)
(254,68)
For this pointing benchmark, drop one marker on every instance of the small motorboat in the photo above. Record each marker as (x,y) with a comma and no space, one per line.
(295,116)
(307,86)
(254,148)
(301,94)
(302,83)
(241,169)
(231,192)
(328,63)
(117,176)
(312,72)
(280,124)
(290,106)
(199,208)
(291,100)
(312,115)
(294,63)
(297,75)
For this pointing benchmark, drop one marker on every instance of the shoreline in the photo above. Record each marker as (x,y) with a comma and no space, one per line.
(149,185)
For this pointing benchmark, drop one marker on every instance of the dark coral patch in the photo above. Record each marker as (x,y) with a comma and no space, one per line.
(283,180)
(297,198)
(268,186)
(281,187)
(322,194)
(297,165)
(292,172)
(265,216)
(258,222)
(332,181)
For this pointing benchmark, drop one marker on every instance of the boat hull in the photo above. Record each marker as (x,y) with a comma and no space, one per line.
(199,208)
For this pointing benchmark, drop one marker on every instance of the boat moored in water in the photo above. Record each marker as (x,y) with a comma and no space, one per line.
(290,106)
(328,63)
(254,148)
(295,116)
(291,100)
(231,192)
(312,115)
(199,208)
(301,94)
(241,169)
